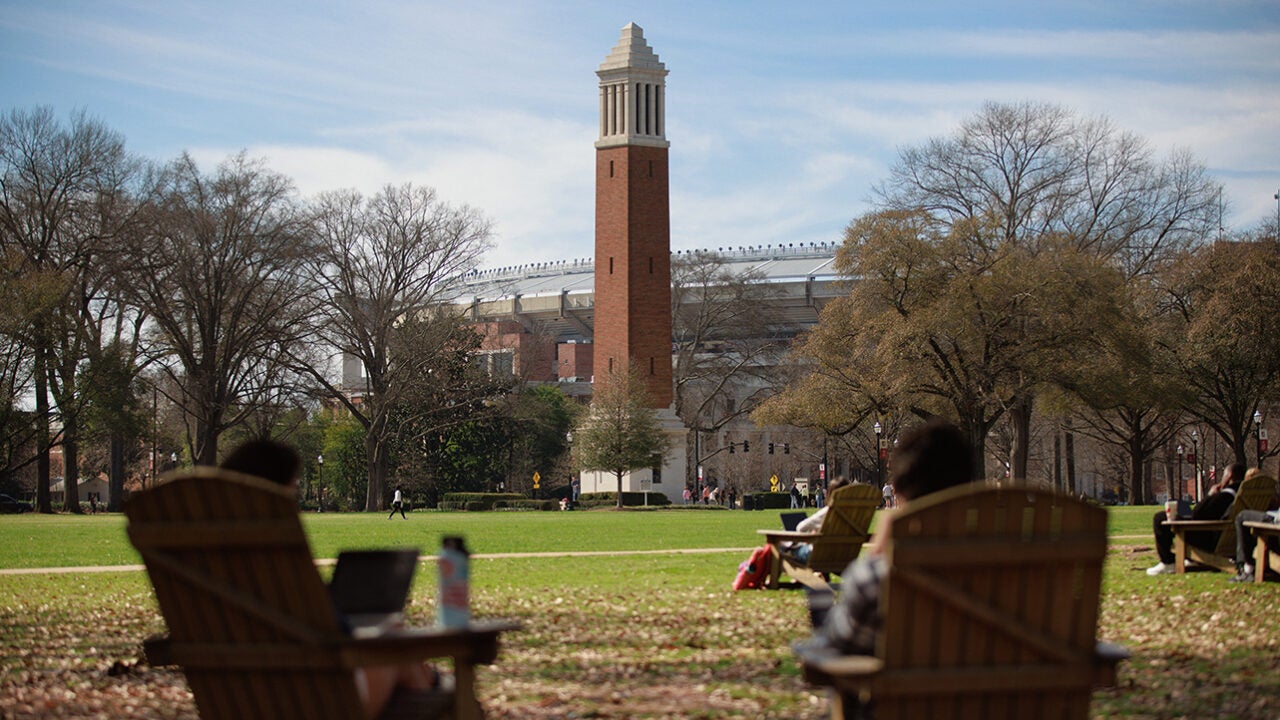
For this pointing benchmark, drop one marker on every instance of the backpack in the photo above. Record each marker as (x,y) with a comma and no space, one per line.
(754,571)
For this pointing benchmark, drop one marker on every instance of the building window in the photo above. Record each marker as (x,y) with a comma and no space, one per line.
(651,366)
(610,266)
(650,265)
(610,168)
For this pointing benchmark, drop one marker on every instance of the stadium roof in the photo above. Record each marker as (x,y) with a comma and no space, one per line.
(559,297)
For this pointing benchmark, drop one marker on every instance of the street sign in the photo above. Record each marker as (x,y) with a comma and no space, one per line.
(773,483)
(537,479)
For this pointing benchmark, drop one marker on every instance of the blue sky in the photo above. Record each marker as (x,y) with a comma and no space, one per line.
(781,116)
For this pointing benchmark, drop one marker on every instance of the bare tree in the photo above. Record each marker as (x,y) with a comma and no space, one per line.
(63,196)
(379,260)
(218,268)
(727,348)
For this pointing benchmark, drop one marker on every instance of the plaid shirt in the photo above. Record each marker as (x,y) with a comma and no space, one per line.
(852,624)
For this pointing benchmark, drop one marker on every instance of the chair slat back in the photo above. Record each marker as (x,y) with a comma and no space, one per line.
(844,528)
(991,605)
(232,571)
(1255,493)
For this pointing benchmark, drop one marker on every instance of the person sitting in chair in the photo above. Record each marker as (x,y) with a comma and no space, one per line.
(281,464)
(1215,506)
(813,523)
(928,458)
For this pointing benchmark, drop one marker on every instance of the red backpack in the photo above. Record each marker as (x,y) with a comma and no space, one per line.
(754,571)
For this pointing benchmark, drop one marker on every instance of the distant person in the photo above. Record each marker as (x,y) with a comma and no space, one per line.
(281,464)
(928,458)
(813,523)
(1215,506)
(397,505)
(795,496)
(888,495)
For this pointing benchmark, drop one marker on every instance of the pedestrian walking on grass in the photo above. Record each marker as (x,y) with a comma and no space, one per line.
(397,504)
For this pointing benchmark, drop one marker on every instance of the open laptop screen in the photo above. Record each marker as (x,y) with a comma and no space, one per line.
(372,581)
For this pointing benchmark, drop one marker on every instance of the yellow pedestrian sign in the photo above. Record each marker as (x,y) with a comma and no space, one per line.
(537,479)
(773,483)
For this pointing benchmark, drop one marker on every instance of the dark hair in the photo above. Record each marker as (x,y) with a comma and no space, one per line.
(930,457)
(266,459)
(1237,472)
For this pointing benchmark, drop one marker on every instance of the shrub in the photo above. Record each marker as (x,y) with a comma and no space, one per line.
(629,499)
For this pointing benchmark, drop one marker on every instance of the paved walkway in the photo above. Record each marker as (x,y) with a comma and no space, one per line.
(330,561)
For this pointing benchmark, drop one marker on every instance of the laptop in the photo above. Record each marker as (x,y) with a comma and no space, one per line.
(369,588)
(792,520)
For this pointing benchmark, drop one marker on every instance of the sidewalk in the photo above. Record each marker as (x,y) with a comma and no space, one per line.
(330,561)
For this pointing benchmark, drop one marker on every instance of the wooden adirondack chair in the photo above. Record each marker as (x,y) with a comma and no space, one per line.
(1255,493)
(1262,554)
(990,607)
(250,620)
(835,545)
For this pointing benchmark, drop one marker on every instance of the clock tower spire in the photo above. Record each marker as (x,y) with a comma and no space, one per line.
(633,219)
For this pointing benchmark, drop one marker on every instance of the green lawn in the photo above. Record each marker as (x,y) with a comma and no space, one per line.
(628,636)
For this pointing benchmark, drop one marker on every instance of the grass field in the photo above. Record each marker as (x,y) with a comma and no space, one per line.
(628,636)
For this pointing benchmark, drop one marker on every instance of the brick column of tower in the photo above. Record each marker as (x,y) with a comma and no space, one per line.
(633,219)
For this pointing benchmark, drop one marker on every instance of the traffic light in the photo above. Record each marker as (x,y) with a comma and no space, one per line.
(746,446)
(731,447)
(770,448)
(786,448)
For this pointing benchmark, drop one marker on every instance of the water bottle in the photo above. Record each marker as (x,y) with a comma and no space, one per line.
(454,605)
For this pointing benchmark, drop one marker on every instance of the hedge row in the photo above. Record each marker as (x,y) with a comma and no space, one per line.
(479,502)
(629,499)
(767,500)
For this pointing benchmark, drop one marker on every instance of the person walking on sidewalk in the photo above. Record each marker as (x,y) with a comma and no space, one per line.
(397,504)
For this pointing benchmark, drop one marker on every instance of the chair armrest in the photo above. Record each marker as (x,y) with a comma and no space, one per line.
(839,671)
(476,644)
(1191,525)
(1106,656)
(775,536)
(1265,527)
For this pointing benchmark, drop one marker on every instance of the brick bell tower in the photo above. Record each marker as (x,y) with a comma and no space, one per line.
(633,219)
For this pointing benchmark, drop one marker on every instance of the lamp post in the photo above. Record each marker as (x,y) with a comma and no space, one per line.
(1257,421)
(878,428)
(1181,450)
(1195,461)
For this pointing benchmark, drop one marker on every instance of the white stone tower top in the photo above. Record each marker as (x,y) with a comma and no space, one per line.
(632,93)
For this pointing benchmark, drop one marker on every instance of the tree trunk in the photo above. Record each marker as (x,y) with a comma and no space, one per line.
(1069,439)
(1136,464)
(376,457)
(43,502)
(70,468)
(1057,462)
(618,474)
(1020,417)
(115,476)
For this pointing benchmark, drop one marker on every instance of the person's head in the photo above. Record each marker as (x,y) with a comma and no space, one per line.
(266,459)
(928,458)
(1234,475)
(836,483)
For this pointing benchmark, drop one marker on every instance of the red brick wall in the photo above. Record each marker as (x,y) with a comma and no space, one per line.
(574,360)
(633,266)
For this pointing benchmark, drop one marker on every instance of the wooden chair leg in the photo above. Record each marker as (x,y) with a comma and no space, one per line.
(1260,559)
(1180,552)
(466,705)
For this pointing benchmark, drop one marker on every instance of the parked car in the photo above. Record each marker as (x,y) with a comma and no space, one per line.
(10,504)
